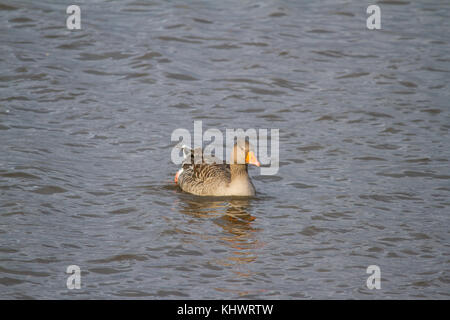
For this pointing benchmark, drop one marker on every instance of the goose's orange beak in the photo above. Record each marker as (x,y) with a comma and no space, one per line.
(251,159)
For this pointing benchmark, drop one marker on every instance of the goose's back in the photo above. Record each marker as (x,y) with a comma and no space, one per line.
(204,178)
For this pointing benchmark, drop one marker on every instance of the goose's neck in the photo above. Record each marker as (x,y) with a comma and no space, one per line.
(239,171)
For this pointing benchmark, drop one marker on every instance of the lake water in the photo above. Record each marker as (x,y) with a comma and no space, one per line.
(86,176)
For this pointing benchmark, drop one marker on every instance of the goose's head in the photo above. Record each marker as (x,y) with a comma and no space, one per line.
(243,154)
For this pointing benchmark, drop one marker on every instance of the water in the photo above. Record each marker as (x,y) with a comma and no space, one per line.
(86,177)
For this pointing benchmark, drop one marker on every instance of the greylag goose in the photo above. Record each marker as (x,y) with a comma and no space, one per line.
(213,177)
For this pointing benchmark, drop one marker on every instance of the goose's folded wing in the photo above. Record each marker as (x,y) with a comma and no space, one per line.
(197,157)
(200,169)
(212,172)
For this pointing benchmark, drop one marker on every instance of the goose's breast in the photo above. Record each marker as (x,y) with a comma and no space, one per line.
(241,187)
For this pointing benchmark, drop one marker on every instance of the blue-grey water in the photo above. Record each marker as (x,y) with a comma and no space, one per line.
(86,176)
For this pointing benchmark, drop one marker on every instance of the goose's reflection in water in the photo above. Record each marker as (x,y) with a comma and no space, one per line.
(238,236)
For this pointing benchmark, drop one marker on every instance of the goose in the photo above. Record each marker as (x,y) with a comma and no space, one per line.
(212,177)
